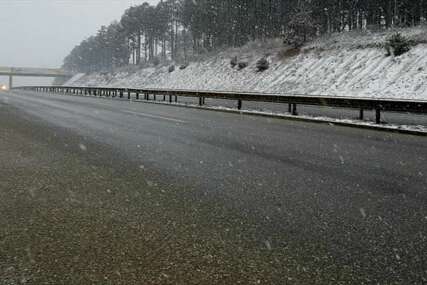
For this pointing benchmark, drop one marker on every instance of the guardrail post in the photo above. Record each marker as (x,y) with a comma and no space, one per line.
(176,98)
(378,115)
(294,109)
(121,93)
(154,97)
(361,114)
(170,98)
(200,101)
(137,95)
(164,97)
(239,104)
(128,95)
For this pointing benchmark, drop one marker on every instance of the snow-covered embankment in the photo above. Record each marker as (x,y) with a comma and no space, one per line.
(350,70)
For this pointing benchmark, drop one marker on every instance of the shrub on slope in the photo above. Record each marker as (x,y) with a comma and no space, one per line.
(397,45)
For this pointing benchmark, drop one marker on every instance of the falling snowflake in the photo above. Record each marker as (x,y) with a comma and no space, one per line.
(82,147)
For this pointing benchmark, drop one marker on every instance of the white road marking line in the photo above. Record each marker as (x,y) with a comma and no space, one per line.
(154,116)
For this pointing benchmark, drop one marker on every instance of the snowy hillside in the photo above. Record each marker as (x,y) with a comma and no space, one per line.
(339,65)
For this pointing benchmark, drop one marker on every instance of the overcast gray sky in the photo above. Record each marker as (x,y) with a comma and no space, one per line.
(40,33)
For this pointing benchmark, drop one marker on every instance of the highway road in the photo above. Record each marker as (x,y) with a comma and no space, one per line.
(170,195)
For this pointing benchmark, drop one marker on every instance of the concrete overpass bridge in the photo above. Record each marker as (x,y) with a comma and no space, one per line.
(32,72)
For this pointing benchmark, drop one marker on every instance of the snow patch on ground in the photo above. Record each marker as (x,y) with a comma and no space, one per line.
(335,66)
(74,79)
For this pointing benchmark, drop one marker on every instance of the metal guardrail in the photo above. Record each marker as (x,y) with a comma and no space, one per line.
(362,104)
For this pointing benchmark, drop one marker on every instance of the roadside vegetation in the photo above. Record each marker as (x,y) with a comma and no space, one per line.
(178,31)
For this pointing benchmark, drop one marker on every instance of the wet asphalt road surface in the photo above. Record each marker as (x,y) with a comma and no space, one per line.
(97,191)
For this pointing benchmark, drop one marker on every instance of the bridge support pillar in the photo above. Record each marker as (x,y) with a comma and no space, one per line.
(10,82)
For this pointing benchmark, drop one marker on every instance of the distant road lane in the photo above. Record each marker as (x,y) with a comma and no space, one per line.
(319,204)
